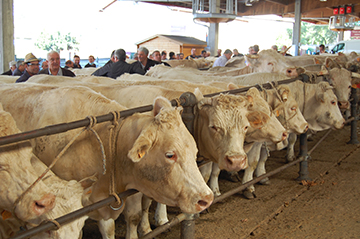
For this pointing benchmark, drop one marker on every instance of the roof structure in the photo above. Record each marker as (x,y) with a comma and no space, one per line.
(314,11)
(179,39)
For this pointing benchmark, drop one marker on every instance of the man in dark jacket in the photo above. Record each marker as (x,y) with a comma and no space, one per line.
(144,62)
(121,66)
(105,69)
(12,65)
(32,67)
(20,68)
(53,59)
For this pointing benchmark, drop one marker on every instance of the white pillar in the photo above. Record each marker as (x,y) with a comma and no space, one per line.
(7,49)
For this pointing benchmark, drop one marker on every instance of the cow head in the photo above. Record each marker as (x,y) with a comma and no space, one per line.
(220,128)
(271,61)
(163,157)
(341,80)
(263,128)
(287,111)
(322,111)
(17,175)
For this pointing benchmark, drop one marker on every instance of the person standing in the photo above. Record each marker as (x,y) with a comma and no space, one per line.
(53,59)
(221,61)
(12,65)
(321,50)
(121,66)
(32,67)
(144,62)
(193,54)
(20,67)
(91,62)
(77,62)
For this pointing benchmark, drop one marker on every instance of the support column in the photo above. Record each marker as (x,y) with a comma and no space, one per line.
(214,38)
(297,27)
(214,28)
(7,49)
(340,35)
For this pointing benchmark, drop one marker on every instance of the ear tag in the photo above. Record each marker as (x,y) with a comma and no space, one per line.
(6,214)
(277,113)
(317,62)
(88,192)
(141,154)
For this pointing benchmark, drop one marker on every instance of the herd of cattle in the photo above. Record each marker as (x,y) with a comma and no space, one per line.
(154,152)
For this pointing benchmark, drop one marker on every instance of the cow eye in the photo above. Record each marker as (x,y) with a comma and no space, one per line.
(293,108)
(246,127)
(333,102)
(171,155)
(214,127)
(349,86)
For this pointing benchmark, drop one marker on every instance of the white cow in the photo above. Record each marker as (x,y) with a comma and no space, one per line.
(17,175)
(149,150)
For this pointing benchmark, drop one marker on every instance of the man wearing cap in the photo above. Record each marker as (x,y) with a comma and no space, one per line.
(221,61)
(32,67)
(121,66)
(12,65)
(53,59)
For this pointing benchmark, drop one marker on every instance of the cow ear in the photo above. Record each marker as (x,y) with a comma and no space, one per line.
(300,70)
(317,61)
(204,101)
(323,71)
(322,87)
(89,181)
(232,86)
(159,103)
(330,63)
(284,92)
(141,147)
(251,100)
(257,119)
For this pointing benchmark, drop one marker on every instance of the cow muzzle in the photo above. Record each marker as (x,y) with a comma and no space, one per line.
(343,104)
(235,163)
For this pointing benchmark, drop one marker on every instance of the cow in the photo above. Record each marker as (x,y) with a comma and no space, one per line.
(8,79)
(17,176)
(191,63)
(84,71)
(147,150)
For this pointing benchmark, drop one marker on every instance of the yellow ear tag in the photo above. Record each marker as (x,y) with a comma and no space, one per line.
(141,154)
(358,59)
(277,113)
(354,86)
(317,62)
(88,192)
(6,214)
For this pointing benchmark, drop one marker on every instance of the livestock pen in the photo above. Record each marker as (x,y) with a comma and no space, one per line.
(188,224)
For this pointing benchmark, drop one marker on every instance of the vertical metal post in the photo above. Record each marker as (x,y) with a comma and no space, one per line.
(7,48)
(188,112)
(353,136)
(188,227)
(303,172)
(297,27)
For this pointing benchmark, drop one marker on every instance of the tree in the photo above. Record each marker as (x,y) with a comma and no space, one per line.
(56,42)
(311,34)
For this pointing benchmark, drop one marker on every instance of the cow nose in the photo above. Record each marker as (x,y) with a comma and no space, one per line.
(205,202)
(236,162)
(45,204)
(284,136)
(291,72)
(343,104)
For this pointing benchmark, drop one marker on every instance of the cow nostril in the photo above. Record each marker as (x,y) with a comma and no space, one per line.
(202,203)
(284,136)
(229,161)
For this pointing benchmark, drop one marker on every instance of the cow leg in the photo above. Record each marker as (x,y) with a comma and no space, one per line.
(133,213)
(144,226)
(253,159)
(161,214)
(290,155)
(260,170)
(107,228)
(205,171)
(214,180)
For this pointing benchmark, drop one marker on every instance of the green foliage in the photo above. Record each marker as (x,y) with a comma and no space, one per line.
(56,42)
(311,34)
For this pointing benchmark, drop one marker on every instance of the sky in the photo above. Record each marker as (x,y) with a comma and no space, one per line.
(125,23)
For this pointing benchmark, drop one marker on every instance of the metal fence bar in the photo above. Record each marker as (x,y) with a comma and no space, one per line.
(73,215)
